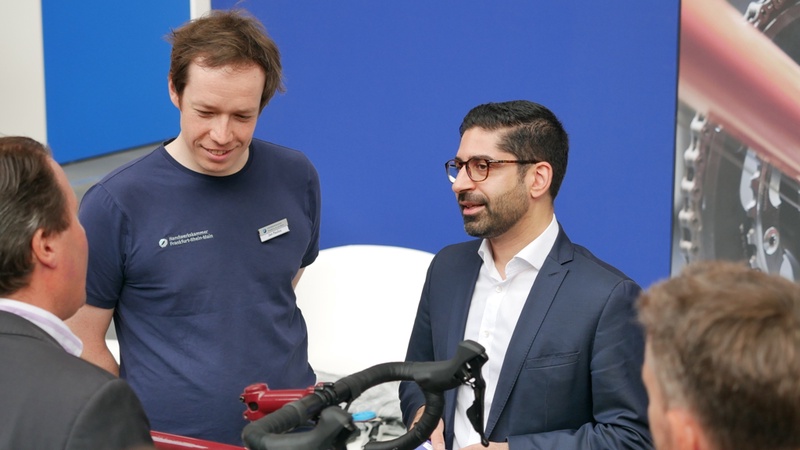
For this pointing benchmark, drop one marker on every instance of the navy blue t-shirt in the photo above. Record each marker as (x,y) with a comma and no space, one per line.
(203,307)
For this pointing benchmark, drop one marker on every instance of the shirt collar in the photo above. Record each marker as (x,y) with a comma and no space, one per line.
(47,321)
(532,254)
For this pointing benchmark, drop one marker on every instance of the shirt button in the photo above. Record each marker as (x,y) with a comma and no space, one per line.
(498,289)
(486,334)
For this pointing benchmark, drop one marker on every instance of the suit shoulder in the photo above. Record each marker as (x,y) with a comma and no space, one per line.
(456,259)
(34,350)
(460,248)
(588,261)
(91,374)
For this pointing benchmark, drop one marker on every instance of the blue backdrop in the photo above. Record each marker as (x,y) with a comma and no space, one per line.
(106,67)
(376,92)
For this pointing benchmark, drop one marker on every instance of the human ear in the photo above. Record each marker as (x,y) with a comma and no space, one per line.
(541,176)
(43,248)
(173,94)
(685,430)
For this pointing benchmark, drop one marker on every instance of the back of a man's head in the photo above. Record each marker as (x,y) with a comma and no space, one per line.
(30,199)
(723,342)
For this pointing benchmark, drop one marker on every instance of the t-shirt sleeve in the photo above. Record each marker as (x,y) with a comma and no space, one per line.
(106,232)
(314,207)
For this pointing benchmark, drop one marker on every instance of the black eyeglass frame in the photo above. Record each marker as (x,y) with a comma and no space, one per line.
(458,165)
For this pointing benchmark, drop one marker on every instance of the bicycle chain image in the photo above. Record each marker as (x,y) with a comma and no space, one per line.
(735,205)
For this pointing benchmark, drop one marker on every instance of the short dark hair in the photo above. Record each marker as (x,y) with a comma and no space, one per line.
(30,199)
(534,132)
(725,343)
(225,38)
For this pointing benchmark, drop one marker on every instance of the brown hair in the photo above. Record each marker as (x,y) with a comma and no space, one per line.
(225,38)
(30,199)
(725,343)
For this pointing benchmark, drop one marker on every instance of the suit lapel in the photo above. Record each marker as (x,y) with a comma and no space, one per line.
(541,296)
(470,266)
(467,266)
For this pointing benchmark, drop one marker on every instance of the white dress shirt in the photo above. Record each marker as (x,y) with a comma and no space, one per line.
(47,321)
(493,313)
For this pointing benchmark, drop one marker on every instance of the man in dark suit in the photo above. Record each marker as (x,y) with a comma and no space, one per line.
(565,352)
(49,397)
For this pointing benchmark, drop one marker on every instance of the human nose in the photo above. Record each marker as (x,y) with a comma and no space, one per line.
(463,181)
(221,130)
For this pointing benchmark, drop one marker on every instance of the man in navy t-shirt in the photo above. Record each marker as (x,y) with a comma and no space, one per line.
(195,248)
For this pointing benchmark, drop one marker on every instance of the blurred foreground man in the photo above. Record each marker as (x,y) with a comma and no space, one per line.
(49,397)
(722,359)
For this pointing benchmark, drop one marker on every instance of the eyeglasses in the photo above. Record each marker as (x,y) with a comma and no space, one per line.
(478,168)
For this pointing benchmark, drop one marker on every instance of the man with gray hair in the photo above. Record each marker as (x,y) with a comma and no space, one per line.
(722,359)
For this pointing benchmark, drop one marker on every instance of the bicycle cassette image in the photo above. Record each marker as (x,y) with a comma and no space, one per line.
(734,203)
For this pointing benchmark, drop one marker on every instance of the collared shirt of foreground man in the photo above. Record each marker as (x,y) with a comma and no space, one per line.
(558,324)
(195,249)
(49,397)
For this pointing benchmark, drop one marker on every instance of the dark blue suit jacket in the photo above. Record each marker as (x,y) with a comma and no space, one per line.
(572,374)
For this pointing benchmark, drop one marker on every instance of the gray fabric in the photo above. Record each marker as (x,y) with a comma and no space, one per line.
(50,399)
(381,399)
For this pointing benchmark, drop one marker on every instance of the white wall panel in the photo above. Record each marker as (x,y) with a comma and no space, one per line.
(22,91)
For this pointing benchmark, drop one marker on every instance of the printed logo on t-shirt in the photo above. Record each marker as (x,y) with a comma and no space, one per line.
(186,238)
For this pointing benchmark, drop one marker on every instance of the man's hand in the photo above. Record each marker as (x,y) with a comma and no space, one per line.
(437,437)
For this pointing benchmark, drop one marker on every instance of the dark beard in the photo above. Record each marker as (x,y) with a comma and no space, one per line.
(498,216)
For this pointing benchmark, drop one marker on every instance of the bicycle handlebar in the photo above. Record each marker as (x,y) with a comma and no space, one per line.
(334,425)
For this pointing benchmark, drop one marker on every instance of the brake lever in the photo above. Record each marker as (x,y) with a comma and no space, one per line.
(478,385)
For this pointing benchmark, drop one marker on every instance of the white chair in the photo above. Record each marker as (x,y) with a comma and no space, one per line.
(359,303)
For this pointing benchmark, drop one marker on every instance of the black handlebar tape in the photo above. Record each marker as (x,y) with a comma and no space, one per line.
(432,377)
(265,432)
(288,417)
(352,386)
(333,429)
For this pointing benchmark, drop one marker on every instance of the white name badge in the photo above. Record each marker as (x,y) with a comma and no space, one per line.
(274,230)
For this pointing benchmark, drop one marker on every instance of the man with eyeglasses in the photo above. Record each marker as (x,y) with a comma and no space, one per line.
(559,325)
